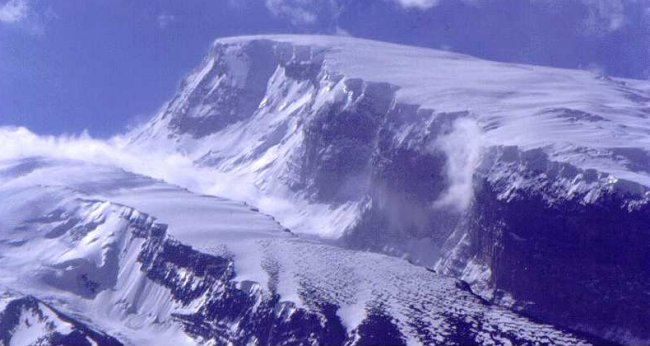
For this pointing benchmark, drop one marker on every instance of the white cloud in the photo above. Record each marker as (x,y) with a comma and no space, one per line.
(304,12)
(30,16)
(174,168)
(418,4)
(299,12)
(164,20)
(13,11)
(604,16)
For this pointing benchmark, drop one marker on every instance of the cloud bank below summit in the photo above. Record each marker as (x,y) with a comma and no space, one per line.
(19,143)
(462,146)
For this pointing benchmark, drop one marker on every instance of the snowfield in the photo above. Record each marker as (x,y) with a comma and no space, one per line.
(575,116)
(80,237)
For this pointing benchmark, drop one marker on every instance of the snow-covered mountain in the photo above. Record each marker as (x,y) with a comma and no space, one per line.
(109,257)
(529,183)
(336,191)
(25,320)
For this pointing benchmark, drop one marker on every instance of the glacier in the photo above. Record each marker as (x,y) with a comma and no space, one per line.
(216,272)
(332,190)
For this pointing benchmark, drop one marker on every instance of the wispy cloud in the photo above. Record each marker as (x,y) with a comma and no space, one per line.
(417,4)
(601,17)
(299,12)
(29,16)
(19,143)
(463,150)
(305,12)
(604,16)
(164,20)
(13,11)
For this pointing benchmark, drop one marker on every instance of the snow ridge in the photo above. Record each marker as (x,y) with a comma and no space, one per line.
(127,274)
(404,150)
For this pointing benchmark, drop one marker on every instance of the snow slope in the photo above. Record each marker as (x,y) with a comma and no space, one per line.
(438,157)
(27,321)
(249,106)
(516,105)
(89,240)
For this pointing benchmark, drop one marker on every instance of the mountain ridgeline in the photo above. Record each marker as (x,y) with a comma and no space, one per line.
(528,183)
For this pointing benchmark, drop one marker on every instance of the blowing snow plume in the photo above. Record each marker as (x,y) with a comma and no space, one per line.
(19,142)
(462,146)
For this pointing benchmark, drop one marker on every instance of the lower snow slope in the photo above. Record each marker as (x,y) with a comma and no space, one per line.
(151,263)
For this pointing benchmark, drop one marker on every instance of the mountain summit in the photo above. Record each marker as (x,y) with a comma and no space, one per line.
(507,176)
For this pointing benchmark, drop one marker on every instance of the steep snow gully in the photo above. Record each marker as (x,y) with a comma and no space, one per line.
(388,195)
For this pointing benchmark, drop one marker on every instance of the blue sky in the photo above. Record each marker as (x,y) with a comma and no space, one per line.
(71,65)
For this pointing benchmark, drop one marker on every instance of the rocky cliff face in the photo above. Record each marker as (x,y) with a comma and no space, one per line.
(322,138)
(558,243)
(24,320)
(529,183)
